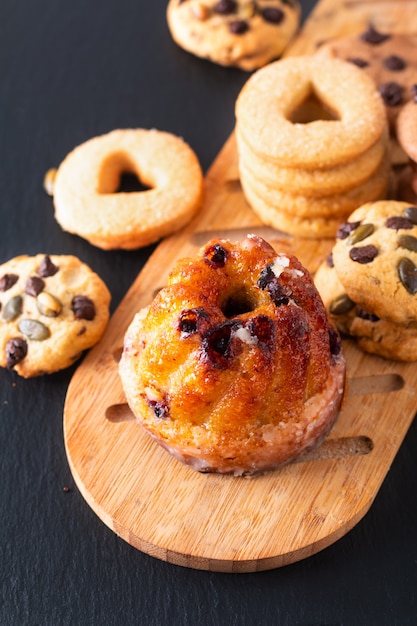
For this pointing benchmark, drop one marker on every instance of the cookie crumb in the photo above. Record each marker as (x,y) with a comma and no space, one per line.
(49,181)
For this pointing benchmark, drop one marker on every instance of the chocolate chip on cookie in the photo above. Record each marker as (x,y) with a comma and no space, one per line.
(370,289)
(373,36)
(240,33)
(376,266)
(389,58)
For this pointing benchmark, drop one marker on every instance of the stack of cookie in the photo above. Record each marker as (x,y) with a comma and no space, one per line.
(369,282)
(312,138)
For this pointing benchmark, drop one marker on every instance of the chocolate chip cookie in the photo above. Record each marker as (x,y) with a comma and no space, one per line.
(370,332)
(369,282)
(243,33)
(389,58)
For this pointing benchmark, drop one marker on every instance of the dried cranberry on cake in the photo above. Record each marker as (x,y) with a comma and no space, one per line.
(234,367)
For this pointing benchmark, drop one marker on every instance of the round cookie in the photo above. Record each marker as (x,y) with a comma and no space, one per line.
(239,33)
(52,308)
(375,258)
(85,188)
(406,184)
(338,304)
(372,334)
(333,206)
(407,128)
(307,227)
(389,340)
(314,182)
(390,59)
(271,96)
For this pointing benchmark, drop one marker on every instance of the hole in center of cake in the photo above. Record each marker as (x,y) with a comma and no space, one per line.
(312,109)
(237,303)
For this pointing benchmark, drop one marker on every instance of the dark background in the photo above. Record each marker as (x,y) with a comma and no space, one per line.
(70,70)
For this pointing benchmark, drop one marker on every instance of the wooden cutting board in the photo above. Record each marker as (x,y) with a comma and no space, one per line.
(223,523)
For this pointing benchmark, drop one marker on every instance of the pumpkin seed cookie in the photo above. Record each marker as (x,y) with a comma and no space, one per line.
(375,258)
(52,308)
(241,33)
(85,188)
(371,333)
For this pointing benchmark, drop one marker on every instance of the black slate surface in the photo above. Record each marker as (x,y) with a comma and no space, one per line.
(70,71)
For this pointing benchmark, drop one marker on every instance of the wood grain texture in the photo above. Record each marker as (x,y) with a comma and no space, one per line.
(222,523)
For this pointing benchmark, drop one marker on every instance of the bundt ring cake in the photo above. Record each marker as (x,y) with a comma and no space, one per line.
(234,367)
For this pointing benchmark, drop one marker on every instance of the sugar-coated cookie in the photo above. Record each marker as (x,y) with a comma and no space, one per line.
(307,227)
(52,308)
(267,101)
(312,139)
(319,182)
(85,188)
(242,33)
(329,205)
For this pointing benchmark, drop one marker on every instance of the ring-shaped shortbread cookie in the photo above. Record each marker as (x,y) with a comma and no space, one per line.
(271,96)
(316,183)
(85,193)
(307,227)
(332,206)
